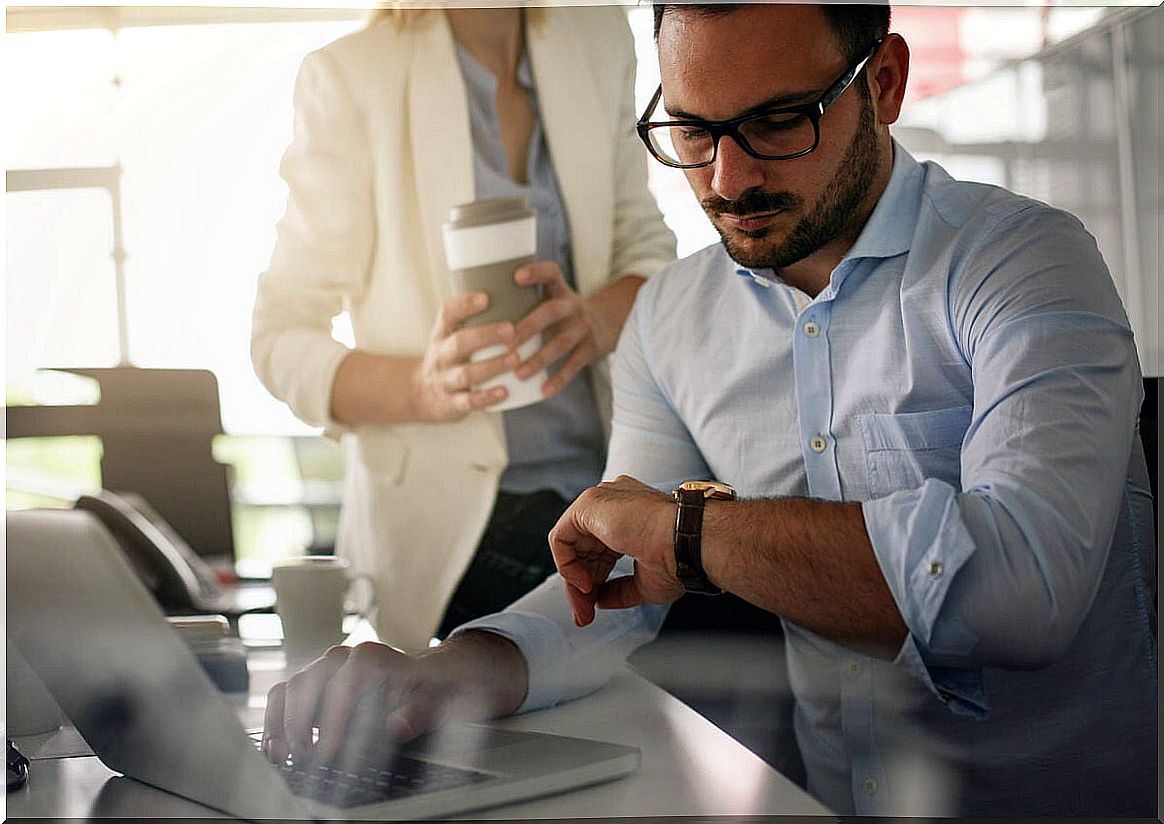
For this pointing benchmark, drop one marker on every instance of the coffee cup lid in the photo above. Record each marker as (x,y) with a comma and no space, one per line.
(492,210)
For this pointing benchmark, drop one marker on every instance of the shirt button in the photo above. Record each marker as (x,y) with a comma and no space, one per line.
(936,569)
(817,443)
(854,667)
(870,785)
(811,329)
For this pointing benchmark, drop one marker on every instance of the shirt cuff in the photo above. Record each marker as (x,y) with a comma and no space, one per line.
(963,691)
(539,640)
(920,543)
(565,661)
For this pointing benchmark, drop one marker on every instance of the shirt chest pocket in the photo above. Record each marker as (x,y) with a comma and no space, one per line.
(903,450)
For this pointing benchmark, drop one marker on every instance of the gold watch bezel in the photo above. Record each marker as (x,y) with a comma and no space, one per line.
(710,489)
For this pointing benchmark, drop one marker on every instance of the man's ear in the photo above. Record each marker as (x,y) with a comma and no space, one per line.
(890,71)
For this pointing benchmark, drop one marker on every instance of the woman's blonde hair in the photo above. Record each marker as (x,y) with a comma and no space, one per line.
(404,17)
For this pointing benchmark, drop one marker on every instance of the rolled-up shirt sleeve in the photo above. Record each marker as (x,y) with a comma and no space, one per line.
(1003,571)
(565,661)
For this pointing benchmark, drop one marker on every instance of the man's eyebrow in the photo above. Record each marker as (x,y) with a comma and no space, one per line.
(779,101)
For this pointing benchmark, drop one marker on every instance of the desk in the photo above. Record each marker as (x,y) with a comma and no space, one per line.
(689,767)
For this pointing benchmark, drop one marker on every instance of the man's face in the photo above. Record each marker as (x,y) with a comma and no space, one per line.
(771,213)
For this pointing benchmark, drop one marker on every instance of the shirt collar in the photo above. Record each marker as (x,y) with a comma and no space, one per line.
(889,230)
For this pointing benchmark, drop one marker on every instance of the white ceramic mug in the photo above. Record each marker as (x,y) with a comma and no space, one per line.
(310,596)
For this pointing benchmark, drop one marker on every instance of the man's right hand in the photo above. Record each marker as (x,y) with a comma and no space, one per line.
(444,384)
(361,697)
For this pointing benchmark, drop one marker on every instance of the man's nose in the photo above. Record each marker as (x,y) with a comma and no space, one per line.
(736,171)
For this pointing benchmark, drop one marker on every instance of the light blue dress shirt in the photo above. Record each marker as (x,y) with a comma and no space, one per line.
(557,443)
(970,376)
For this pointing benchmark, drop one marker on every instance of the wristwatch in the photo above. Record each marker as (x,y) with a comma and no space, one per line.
(690,497)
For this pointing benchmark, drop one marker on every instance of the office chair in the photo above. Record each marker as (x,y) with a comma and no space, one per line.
(156,428)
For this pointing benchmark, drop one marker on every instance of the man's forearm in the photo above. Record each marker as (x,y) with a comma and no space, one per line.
(491,667)
(808,561)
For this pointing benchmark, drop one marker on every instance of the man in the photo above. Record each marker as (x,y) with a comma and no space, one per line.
(925,391)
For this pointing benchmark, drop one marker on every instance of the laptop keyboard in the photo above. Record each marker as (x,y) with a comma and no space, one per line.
(367,781)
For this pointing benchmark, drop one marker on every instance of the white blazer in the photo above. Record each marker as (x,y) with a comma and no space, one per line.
(381,151)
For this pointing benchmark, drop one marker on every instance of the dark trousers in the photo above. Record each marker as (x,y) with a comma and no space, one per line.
(512,558)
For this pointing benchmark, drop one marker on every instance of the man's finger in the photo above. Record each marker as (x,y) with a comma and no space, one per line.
(274,739)
(581,604)
(365,670)
(619,593)
(419,712)
(301,700)
(573,571)
(564,536)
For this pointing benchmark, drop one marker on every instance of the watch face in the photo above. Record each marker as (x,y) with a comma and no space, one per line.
(710,489)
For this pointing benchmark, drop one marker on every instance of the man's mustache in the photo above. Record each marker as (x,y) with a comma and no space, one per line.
(751,203)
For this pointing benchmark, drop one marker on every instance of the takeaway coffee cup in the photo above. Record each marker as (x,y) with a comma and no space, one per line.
(485,243)
(309,597)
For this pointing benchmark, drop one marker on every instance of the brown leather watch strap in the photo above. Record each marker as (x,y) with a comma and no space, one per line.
(690,497)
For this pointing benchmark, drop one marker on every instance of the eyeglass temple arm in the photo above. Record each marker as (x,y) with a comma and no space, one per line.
(644,118)
(846,80)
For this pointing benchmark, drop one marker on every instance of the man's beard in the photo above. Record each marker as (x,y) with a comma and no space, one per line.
(829,219)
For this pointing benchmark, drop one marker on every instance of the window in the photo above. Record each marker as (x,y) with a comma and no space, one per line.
(197,117)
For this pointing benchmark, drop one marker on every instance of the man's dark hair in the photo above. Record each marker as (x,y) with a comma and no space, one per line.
(856,26)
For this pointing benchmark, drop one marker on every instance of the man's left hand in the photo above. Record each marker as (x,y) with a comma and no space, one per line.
(574,329)
(616,518)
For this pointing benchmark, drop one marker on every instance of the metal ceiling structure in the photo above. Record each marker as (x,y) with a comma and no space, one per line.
(54,18)
(32,18)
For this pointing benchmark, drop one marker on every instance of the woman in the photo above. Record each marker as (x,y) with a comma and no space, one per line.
(444,500)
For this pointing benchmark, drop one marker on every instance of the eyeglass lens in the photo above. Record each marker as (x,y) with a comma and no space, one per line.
(776,135)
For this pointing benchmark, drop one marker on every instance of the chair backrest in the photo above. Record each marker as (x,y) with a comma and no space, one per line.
(156,428)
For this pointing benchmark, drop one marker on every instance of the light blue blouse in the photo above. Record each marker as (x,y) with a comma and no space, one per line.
(558,443)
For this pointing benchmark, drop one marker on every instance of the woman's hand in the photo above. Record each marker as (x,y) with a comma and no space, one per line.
(443,384)
(576,331)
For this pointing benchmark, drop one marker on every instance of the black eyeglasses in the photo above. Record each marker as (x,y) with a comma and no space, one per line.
(777,134)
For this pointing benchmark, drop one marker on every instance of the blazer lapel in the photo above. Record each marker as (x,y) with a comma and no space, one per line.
(576,130)
(442,149)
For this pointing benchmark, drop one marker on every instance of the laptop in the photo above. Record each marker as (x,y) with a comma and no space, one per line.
(83,621)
